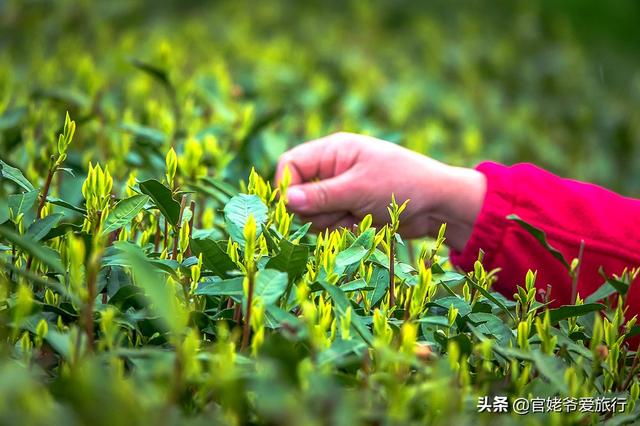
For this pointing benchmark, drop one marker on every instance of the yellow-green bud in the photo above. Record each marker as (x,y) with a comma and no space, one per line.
(171,162)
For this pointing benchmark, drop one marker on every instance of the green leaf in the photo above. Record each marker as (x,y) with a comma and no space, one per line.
(225,188)
(341,304)
(118,256)
(62,229)
(634,331)
(129,296)
(65,204)
(492,325)
(61,343)
(604,291)
(541,236)
(24,204)
(434,320)
(270,285)
(340,349)
(300,232)
(459,303)
(489,296)
(238,210)
(568,311)
(214,258)
(365,239)
(41,227)
(124,212)
(355,285)
(162,199)
(552,369)
(620,286)
(380,283)
(231,287)
(348,257)
(148,277)
(44,254)
(15,175)
(291,259)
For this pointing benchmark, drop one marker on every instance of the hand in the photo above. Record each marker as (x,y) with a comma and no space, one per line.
(338,179)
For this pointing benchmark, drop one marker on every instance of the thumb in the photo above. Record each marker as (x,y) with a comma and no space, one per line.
(324,196)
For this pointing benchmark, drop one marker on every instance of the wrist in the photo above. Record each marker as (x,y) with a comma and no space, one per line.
(459,204)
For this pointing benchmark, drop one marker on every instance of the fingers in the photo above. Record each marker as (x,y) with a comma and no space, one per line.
(322,158)
(303,161)
(336,194)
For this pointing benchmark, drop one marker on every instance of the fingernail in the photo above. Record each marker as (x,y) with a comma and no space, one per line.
(296,198)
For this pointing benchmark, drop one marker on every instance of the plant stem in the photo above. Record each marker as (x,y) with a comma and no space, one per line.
(156,240)
(43,200)
(392,275)
(192,207)
(13,260)
(237,312)
(176,231)
(247,316)
(632,372)
(45,190)
(92,276)
(574,283)
(165,243)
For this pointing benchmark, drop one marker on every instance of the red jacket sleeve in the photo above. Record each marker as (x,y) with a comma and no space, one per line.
(569,212)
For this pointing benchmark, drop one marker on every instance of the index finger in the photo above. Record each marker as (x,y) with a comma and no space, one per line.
(304,161)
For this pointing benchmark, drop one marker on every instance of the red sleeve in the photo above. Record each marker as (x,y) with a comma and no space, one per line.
(569,212)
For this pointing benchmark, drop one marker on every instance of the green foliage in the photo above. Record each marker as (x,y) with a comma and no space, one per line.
(148,274)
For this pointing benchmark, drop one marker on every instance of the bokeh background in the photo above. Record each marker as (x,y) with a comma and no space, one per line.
(554,83)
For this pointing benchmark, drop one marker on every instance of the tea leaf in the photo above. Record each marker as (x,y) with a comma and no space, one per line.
(270,285)
(291,259)
(563,312)
(231,287)
(44,254)
(341,303)
(348,257)
(15,175)
(541,236)
(41,227)
(380,283)
(237,212)
(162,199)
(124,212)
(214,258)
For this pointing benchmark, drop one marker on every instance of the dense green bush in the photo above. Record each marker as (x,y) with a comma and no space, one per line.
(150,275)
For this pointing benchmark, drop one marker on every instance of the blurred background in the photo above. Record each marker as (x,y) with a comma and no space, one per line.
(236,83)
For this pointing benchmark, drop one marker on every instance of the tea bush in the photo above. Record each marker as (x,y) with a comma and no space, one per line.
(151,275)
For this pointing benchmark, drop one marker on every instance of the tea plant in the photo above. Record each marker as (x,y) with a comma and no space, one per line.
(143,307)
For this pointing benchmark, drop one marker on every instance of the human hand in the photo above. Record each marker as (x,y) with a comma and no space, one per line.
(338,179)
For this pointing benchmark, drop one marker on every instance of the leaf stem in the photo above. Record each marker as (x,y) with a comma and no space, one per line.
(247,316)
(192,207)
(576,275)
(632,372)
(43,199)
(47,185)
(176,231)
(156,240)
(392,274)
